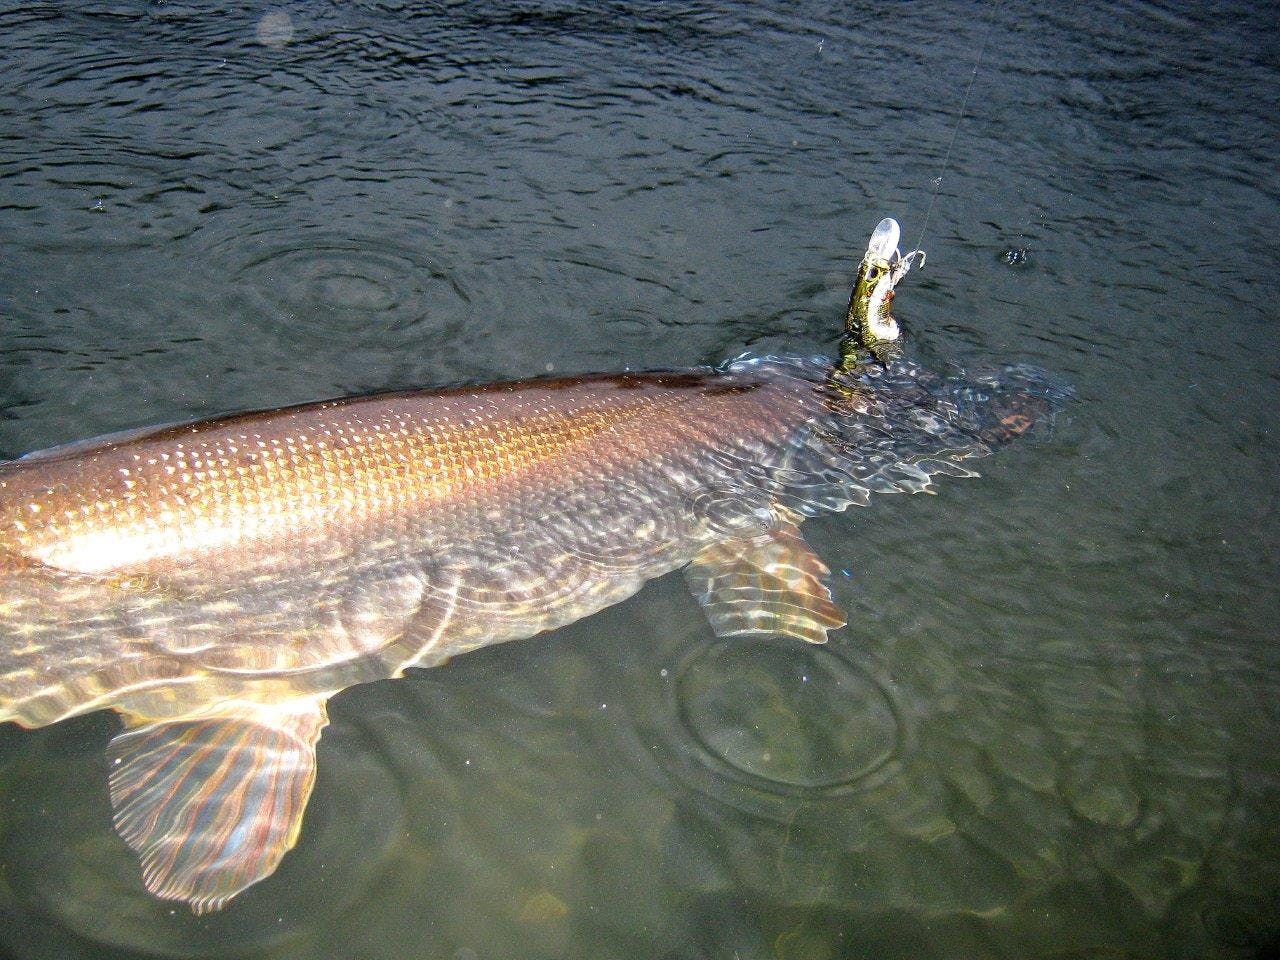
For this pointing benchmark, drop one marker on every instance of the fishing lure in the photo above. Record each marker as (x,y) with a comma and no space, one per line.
(216,582)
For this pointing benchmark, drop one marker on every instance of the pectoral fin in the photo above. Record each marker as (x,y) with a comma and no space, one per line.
(212,804)
(769,584)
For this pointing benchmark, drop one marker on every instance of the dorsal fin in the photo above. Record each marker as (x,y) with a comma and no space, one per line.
(82,448)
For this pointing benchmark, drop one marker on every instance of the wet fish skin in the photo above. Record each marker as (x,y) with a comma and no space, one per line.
(265,543)
(270,559)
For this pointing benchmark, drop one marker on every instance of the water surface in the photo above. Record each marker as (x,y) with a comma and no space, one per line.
(1050,729)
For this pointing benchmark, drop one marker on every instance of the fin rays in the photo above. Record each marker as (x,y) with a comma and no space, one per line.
(769,584)
(211,805)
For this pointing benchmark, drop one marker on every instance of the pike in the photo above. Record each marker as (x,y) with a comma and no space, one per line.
(216,582)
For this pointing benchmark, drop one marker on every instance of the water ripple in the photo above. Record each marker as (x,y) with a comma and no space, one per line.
(786,717)
(1056,695)
(348,282)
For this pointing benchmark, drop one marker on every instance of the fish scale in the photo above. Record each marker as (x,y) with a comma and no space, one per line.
(195,519)
(190,494)
(267,538)
(216,582)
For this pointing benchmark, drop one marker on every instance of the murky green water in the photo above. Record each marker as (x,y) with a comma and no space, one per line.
(1049,731)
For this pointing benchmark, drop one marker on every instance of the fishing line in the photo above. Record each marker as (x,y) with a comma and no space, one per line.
(955,132)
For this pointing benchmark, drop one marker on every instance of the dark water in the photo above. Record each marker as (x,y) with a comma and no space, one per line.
(1050,730)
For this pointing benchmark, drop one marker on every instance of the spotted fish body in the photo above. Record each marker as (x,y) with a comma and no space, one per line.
(215,582)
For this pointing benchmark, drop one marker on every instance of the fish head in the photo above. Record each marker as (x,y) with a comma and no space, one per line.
(1008,403)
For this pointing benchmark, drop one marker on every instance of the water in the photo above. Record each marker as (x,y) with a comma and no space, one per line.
(1050,730)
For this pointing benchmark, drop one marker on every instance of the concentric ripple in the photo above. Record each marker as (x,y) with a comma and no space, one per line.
(785,718)
(732,512)
(368,281)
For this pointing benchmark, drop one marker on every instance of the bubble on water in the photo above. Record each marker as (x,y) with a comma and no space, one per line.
(1015,257)
(275,29)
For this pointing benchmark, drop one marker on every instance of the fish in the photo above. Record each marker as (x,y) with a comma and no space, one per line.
(216,582)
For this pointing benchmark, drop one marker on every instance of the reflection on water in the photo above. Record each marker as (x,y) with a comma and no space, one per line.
(1048,730)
